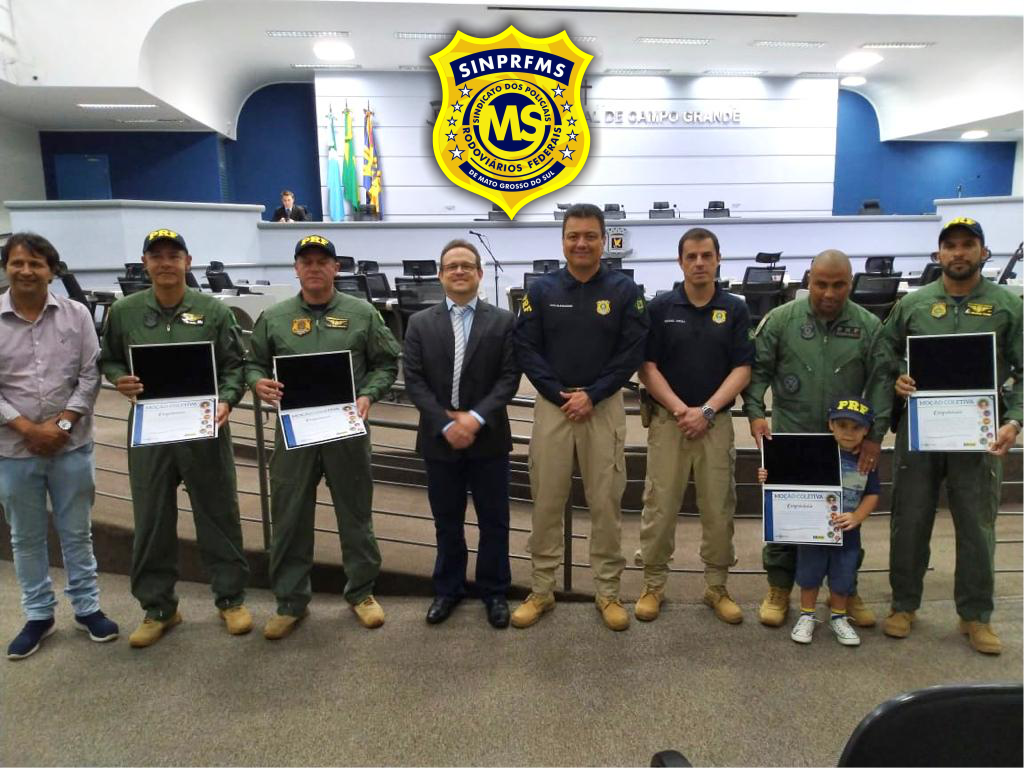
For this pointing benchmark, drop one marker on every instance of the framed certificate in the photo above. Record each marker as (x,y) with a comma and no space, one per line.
(804,491)
(179,397)
(955,405)
(318,404)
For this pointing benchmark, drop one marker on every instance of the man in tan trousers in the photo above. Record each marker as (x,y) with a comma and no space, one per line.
(579,339)
(698,359)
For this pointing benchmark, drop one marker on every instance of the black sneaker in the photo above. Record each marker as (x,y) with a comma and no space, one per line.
(100,628)
(28,640)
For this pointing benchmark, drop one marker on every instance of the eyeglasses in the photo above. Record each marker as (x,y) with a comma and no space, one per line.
(459,267)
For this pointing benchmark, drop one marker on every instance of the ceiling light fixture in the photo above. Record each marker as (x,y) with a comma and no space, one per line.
(117,106)
(636,71)
(327,66)
(306,33)
(333,50)
(415,68)
(673,40)
(734,72)
(424,35)
(974,134)
(853,81)
(896,46)
(858,61)
(788,44)
(156,121)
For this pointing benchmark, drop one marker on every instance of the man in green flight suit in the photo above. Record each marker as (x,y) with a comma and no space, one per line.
(809,351)
(961,302)
(168,313)
(320,319)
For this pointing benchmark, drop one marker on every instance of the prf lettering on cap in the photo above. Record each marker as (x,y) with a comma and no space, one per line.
(312,239)
(852,405)
(512,127)
(158,233)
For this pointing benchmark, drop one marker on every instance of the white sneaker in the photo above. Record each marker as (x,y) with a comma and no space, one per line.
(845,634)
(803,630)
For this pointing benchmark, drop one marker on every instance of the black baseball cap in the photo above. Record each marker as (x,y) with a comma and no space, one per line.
(967,223)
(315,241)
(163,234)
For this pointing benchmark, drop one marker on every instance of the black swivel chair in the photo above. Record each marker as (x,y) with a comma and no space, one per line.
(612,262)
(545,265)
(716,210)
(190,280)
(763,288)
(613,211)
(128,287)
(415,294)
(879,265)
(419,267)
(378,286)
(136,272)
(660,210)
(929,274)
(515,300)
(1011,264)
(346,264)
(560,209)
(529,278)
(352,285)
(219,280)
(970,725)
(368,267)
(876,293)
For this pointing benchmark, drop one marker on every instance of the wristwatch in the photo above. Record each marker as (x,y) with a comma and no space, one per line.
(708,413)
(64,425)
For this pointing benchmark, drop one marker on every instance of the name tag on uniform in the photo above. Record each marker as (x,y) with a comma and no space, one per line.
(190,319)
(847,332)
(335,322)
(981,310)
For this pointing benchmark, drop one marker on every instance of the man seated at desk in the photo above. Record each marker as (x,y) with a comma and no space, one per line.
(288,210)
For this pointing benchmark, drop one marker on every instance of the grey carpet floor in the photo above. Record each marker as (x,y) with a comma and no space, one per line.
(565,692)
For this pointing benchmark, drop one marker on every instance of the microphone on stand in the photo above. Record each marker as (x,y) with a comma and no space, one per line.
(497,264)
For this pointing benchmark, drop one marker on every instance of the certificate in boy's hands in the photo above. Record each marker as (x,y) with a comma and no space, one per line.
(803,494)
(178,401)
(318,403)
(954,407)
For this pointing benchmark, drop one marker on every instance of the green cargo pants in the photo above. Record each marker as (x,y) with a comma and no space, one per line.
(973,483)
(207,469)
(294,477)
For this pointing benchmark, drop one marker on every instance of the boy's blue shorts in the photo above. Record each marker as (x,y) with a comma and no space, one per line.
(814,563)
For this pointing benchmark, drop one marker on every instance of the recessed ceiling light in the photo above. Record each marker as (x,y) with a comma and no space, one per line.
(734,72)
(788,44)
(157,121)
(333,50)
(896,45)
(327,66)
(117,106)
(673,40)
(306,33)
(821,75)
(853,81)
(424,35)
(858,61)
(415,68)
(975,134)
(636,71)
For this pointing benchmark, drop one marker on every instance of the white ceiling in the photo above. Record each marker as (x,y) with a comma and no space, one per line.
(199,61)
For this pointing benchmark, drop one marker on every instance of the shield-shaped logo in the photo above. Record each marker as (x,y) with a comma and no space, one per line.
(604,307)
(511,127)
(939,309)
(718,316)
(301,326)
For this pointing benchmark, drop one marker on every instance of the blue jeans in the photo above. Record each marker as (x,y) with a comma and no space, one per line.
(70,480)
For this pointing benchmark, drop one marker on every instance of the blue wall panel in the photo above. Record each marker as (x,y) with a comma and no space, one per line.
(150,165)
(276,149)
(907,176)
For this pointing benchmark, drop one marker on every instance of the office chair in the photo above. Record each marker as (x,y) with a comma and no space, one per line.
(419,267)
(613,211)
(870,208)
(660,210)
(716,210)
(515,300)
(128,287)
(218,279)
(496,214)
(929,274)
(415,294)
(970,725)
(346,264)
(806,282)
(612,262)
(763,287)
(378,286)
(190,280)
(876,293)
(529,278)
(879,265)
(352,285)
(1008,271)
(368,267)
(136,271)
(560,209)
(545,265)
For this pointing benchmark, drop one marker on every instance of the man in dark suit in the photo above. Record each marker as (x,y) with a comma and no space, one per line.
(461,373)
(288,210)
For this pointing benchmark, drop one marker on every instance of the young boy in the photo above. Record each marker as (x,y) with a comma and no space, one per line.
(849,420)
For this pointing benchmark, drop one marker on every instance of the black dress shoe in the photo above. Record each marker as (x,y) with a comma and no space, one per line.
(497,612)
(441,609)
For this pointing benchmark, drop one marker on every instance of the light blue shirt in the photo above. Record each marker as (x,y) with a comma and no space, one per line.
(467,326)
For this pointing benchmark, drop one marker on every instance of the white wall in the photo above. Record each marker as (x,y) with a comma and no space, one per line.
(779,161)
(21,167)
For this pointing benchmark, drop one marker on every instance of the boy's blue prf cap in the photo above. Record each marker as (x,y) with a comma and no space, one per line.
(854,409)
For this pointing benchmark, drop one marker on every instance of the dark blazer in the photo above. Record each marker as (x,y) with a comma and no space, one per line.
(490,378)
(298,213)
